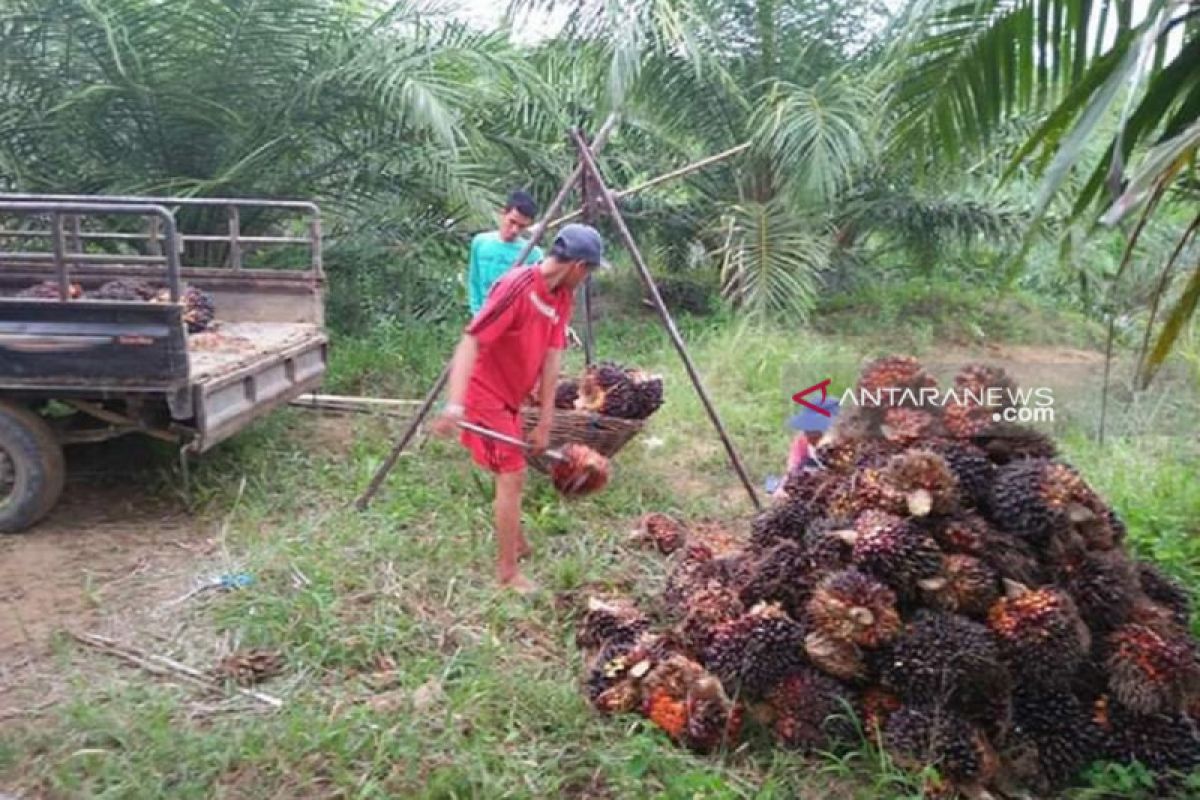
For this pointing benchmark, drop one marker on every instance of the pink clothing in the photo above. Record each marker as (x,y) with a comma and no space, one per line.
(798,452)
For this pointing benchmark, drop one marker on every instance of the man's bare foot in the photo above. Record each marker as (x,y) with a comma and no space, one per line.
(519,584)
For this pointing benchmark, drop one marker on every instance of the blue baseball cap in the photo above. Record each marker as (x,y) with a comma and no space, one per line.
(578,242)
(810,420)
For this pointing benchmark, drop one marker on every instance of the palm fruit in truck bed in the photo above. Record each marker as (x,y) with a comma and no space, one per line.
(49,290)
(198,310)
(126,290)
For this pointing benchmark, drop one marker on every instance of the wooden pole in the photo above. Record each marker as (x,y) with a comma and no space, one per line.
(589,217)
(661,179)
(610,203)
(534,237)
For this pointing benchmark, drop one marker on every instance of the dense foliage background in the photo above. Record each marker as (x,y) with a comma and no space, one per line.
(930,146)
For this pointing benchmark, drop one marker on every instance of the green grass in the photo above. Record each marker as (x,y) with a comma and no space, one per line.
(345,596)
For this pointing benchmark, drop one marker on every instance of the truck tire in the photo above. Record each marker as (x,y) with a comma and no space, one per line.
(32,468)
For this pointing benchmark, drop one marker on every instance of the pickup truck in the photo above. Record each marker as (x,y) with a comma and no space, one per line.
(75,367)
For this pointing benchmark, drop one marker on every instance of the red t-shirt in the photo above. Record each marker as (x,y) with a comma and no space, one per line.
(520,321)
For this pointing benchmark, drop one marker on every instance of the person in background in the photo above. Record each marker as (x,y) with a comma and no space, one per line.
(811,425)
(513,344)
(494,252)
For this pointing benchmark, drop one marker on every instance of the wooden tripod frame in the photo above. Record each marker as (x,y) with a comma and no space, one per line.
(591,182)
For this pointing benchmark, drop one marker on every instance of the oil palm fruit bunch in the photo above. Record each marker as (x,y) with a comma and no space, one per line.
(566,392)
(972,468)
(966,421)
(662,531)
(713,720)
(985,385)
(612,390)
(1165,591)
(895,550)
(705,609)
(1152,669)
(583,471)
(1103,583)
(124,289)
(49,290)
(925,481)
(908,426)
(918,737)
(1040,633)
(890,380)
(809,711)
(198,309)
(783,521)
(610,621)
(853,607)
(1160,742)
(967,585)
(247,667)
(752,653)
(1037,498)
(1053,737)
(1005,442)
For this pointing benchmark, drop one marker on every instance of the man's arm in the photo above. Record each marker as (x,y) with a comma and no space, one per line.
(540,438)
(460,375)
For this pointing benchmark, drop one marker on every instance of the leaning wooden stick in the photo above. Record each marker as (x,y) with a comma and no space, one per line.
(535,236)
(610,204)
(161,665)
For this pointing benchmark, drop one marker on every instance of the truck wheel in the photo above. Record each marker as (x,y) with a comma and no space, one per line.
(32,468)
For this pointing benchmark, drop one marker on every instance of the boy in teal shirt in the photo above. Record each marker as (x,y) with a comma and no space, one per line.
(492,253)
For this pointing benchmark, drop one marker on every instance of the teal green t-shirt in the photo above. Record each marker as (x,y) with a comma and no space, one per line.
(490,258)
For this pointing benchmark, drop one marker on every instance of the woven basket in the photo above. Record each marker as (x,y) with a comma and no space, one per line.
(605,435)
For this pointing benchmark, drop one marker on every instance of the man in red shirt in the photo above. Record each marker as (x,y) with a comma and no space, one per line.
(513,344)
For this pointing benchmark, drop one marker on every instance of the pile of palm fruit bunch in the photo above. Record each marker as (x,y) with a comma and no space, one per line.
(612,390)
(49,290)
(198,309)
(941,584)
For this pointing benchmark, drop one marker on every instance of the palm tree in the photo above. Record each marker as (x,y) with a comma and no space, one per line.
(1096,75)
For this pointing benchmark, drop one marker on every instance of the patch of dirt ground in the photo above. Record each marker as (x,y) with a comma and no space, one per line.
(109,553)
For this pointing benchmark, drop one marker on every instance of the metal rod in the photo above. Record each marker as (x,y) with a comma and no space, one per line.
(235,230)
(85,258)
(665,177)
(534,237)
(60,261)
(609,201)
(299,205)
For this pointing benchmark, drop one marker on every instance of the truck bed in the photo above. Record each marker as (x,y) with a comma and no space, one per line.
(232,346)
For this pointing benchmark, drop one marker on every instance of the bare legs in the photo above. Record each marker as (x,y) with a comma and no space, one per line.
(511,544)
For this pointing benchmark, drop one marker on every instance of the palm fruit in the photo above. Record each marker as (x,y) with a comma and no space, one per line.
(925,481)
(622,401)
(667,712)
(781,575)
(810,487)
(597,381)
(609,621)
(1160,742)
(965,422)
(840,658)
(851,606)
(782,521)
(49,290)
(949,661)
(582,471)
(1152,671)
(1165,591)
(649,393)
(884,381)
(967,585)
(673,675)
(247,667)
(811,711)
(1041,635)
(895,551)
(966,533)
(124,289)
(663,532)
(608,670)
(713,721)
(1104,585)
(970,465)
(986,386)
(1035,498)
(698,568)
(1053,737)
(838,455)
(876,706)
(1007,442)
(704,610)
(198,309)
(565,394)
(919,737)
(908,426)
(867,489)
(753,652)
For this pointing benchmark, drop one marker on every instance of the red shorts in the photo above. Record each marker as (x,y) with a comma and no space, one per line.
(488,453)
